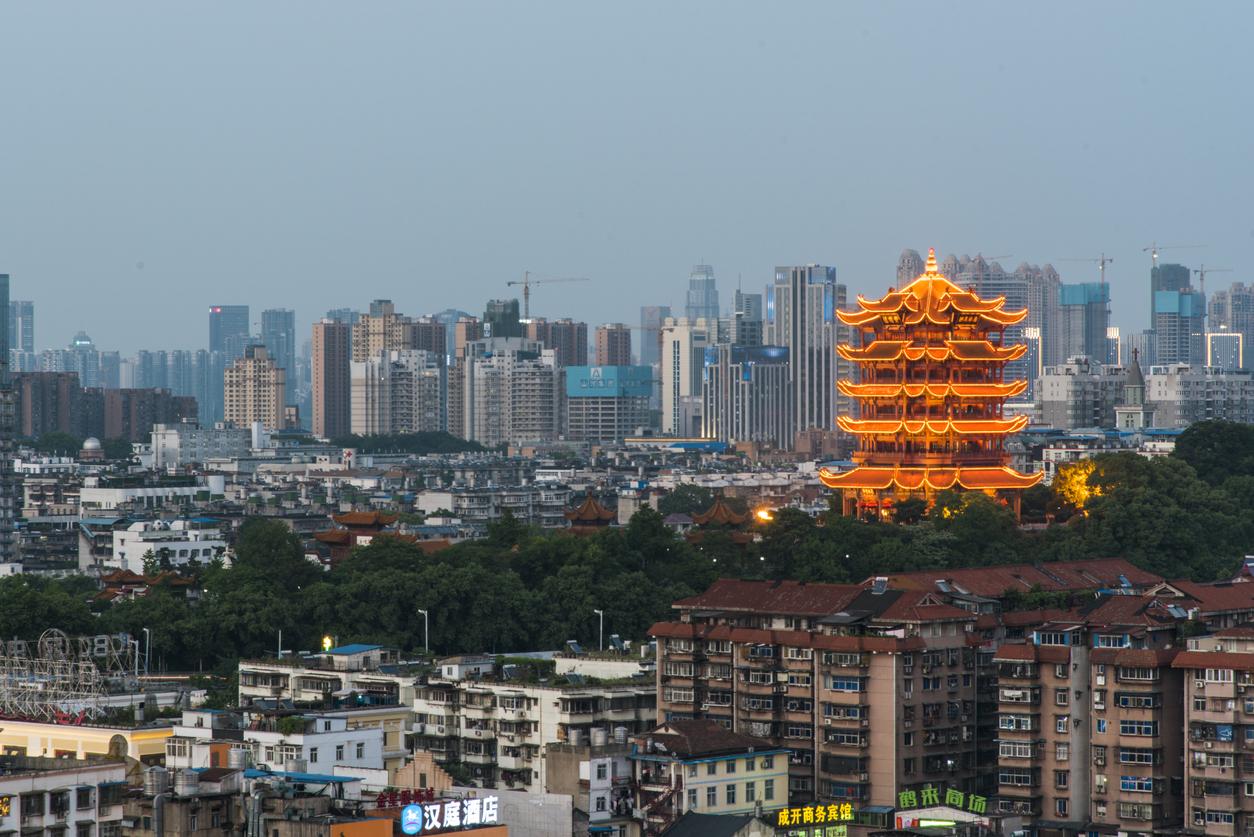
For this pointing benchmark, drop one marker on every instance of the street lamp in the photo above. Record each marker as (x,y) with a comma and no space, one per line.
(426,632)
(147,650)
(601,613)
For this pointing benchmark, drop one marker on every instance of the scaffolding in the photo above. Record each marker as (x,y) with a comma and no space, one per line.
(60,678)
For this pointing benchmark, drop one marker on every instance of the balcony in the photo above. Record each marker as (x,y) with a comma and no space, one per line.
(477,733)
(479,758)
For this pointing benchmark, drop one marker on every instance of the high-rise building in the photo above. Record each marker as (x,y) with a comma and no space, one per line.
(508,391)
(278,333)
(682,368)
(1225,349)
(8,421)
(1166,277)
(253,389)
(909,266)
(702,299)
(1080,394)
(746,320)
(1183,394)
(651,319)
(1179,336)
(605,404)
(331,353)
(151,370)
(1083,317)
(398,392)
(465,330)
(348,316)
(746,397)
(382,330)
(228,328)
(501,319)
(208,369)
(613,345)
(48,402)
(21,326)
(801,316)
(429,334)
(182,378)
(1232,310)
(567,338)
(450,317)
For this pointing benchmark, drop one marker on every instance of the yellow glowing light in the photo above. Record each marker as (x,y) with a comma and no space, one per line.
(1071,483)
(765,515)
(326,643)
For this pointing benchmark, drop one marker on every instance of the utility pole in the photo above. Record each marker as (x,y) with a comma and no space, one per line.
(426,632)
(601,614)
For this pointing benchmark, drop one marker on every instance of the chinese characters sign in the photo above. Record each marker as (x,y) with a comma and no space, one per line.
(6,805)
(453,813)
(931,796)
(811,814)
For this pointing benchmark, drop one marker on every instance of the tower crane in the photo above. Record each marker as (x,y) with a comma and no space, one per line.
(1201,272)
(527,282)
(1101,262)
(1154,248)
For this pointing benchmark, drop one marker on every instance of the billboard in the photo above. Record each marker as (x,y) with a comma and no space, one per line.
(608,381)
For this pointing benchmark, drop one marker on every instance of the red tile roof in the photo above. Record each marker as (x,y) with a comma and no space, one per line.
(994,582)
(691,739)
(355,520)
(794,598)
(1142,657)
(1214,659)
(1220,596)
(720,514)
(590,512)
(796,639)
(1021,652)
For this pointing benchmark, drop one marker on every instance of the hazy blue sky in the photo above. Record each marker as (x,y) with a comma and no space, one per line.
(318,155)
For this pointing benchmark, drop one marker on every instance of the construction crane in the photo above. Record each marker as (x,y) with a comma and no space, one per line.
(1201,272)
(1101,262)
(1154,248)
(527,282)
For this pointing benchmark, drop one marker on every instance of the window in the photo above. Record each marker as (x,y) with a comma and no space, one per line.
(731,766)
(1060,723)
(1060,671)
(603,771)
(768,790)
(711,768)
(1061,697)
(798,679)
(731,794)
(750,763)
(692,799)
(907,767)
(1061,778)
(326,726)
(1015,722)
(1134,700)
(1014,777)
(1217,675)
(1217,817)
(361,750)
(671,695)
(1099,783)
(1101,724)
(339,752)
(1062,751)
(1111,641)
(797,731)
(711,797)
(671,669)
(600,803)
(82,798)
(1127,756)
(751,791)
(83,829)
(1134,673)
(846,684)
(768,763)
(1014,750)
(313,753)
(1136,784)
(1149,728)
(1053,638)
(798,653)
(1249,788)
(1060,807)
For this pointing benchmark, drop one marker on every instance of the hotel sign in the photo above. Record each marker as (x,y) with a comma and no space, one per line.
(452,814)
(814,814)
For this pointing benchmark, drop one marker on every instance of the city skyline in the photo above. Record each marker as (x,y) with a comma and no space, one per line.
(246,193)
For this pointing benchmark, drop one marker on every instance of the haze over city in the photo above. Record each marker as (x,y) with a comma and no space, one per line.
(313,156)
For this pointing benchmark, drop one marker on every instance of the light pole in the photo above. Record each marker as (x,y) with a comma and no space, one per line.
(147,650)
(601,614)
(426,632)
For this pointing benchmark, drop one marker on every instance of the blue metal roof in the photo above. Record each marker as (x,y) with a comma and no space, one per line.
(354,648)
(308,778)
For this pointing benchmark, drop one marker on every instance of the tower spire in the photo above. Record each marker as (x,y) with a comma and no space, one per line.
(931,261)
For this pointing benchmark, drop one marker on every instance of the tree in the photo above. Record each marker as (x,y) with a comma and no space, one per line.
(117,449)
(1217,449)
(686,499)
(57,443)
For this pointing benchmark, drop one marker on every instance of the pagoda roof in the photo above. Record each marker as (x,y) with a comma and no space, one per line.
(937,479)
(890,350)
(931,298)
(1006,390)
(720,514)
(361,520)
(911,427)
(589,512)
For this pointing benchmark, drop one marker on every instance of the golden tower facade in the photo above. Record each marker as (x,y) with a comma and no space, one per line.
(930,396)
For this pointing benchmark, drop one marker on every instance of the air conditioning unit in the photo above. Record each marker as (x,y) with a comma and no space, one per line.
(1199,684)
(827,722)
(1210,745)
(907,670)
(864,777)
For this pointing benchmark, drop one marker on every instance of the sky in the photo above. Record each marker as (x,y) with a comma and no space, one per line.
(158,158)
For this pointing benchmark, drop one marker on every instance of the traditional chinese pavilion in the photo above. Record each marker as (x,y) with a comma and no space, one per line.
(930,394)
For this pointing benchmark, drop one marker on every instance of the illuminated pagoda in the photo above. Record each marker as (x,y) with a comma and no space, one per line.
(930,397)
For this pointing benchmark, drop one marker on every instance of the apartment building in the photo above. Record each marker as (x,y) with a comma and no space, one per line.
(62,796)
(542,505)
(1088,720)
(501,728)
(253,390)
(871,690)
(1218,690)
(345,670)
(702,766)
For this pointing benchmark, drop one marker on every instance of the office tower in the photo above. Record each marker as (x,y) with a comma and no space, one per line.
(208,370)
(745,390)
(1166,277)
(1083,317)
(990,280)
(500,319)
(181,378)
(381,330)
(801,316)
(1232,310)
(651,319)
(228,328)
(22,326)
(150,370)
(606,404)
(398,392)
(331,353)
(8,421)
(465,330)
(252,390)
(746,322)
(567,338)
(1225,349)
(1140,344)
(508,392)
(681,366)
(1042,300)
(1114,345)
(278,333)
(702,299)
(909,266)
(429,334)
(613,345)
(450,317)
(1178,331)
(344,315)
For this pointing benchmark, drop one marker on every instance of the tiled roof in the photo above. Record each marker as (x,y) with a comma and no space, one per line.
(704,738)
(994,582)
(797,639)
(589,512)
(1143,657)
(1214,659)
(362,519)
(1023,652)
(720,514)
(793,598)
(1220,596)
